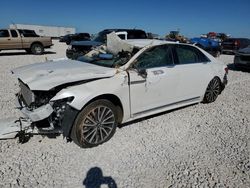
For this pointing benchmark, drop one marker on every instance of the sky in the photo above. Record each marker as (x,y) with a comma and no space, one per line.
(192,18)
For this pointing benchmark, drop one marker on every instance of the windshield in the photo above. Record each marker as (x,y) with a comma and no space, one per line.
(101,37)
(112,61)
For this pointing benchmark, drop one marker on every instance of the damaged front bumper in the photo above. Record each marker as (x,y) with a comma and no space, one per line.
(37,114)
(49,112)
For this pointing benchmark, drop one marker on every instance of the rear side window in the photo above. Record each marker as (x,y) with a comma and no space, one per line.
(28,33)
(4,33)
(189,55)
(136,34)
(13,33)
(122,36)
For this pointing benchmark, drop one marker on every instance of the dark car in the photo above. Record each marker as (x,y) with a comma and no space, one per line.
(232,45)
(75,37)
(79,48)
(242,58)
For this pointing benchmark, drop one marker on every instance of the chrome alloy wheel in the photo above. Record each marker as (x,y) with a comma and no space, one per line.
(98,125)
(213,90)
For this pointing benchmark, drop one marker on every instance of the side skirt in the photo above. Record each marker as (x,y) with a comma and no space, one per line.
(165,108)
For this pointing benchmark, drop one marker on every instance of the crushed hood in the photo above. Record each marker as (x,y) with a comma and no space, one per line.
(47,75)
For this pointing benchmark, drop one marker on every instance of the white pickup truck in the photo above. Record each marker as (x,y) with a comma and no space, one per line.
(23,39)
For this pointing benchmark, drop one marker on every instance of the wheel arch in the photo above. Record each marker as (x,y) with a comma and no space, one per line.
(112,98)
(36,42)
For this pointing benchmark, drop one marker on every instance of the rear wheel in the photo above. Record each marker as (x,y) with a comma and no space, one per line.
(95,124)
(37,49)
(213,90)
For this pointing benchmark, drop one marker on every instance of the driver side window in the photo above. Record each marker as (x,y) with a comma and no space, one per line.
(4,33)
(155,57)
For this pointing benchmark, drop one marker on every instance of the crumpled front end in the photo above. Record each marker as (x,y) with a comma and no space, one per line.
(45,114)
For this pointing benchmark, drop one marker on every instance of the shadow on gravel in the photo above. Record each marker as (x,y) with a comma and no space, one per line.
(232,67)
(21,53)
(95,179)
(152,116)
(24,137)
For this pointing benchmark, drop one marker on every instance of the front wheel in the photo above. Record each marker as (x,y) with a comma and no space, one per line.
(213,90)
(95,124)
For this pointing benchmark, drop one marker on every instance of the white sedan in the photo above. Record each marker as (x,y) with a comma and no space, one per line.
(88,98)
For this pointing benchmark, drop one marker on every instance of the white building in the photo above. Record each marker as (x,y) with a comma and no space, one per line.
(50,31)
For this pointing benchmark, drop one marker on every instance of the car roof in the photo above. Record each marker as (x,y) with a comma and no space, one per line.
(110,30)
(140,43)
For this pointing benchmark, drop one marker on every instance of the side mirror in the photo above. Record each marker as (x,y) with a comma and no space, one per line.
(142,72)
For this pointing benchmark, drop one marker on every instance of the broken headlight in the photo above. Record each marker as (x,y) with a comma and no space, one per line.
(60,106)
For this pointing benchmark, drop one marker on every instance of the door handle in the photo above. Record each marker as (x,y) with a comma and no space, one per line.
(9,39)
(157,72)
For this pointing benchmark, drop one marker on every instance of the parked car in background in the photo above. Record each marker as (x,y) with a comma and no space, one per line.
(242,58)
(79,48)
(175,36)
(74,37)
(18,39)
(232,45)
(210,45)
(87,99)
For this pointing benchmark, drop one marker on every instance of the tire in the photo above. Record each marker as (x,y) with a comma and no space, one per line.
(213,90)
(37,49)
(95,124)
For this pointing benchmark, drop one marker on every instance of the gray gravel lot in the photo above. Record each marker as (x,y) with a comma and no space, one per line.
(203,145)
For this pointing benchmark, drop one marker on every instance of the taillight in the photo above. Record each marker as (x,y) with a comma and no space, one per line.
(226,70)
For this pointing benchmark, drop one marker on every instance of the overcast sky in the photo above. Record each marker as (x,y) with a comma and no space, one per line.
(159,16)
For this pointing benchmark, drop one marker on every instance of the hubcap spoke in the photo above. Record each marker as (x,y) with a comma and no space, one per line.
(98,125)
(213,90)
(91,132)
(93,136)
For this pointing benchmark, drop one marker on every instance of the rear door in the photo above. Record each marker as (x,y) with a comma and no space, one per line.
(194,71)
(15,41)
(28,36)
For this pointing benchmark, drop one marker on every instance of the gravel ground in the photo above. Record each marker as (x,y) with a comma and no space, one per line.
(204,145)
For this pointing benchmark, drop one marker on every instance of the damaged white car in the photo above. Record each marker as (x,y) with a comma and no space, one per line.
(124,81)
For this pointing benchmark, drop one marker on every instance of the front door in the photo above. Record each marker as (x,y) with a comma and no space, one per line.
(153,80)
(5,39)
